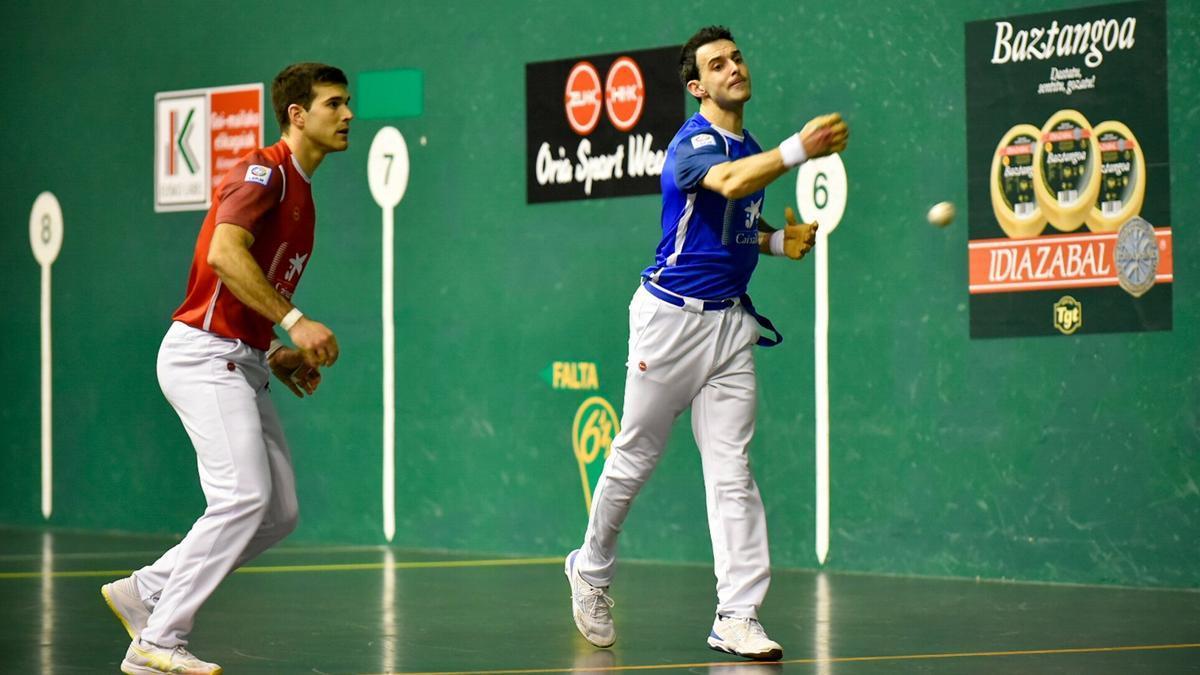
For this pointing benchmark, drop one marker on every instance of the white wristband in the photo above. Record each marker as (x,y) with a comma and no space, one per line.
(291,318)
(792,149)
(276,345)
(777,243)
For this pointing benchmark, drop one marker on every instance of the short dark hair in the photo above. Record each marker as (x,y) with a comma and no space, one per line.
(294,84)
(687,56)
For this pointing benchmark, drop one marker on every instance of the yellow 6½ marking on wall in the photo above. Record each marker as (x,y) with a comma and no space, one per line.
(596,425)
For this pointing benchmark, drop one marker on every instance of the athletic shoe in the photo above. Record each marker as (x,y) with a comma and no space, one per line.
(744,637)
(147,658)
(124,600)
(591,607)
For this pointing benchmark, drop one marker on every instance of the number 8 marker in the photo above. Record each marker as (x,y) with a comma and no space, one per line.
(46,237)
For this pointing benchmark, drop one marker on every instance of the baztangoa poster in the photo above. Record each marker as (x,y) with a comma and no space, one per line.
(1068,172)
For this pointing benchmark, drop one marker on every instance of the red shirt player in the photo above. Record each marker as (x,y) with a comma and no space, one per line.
(213,366)
(268,195)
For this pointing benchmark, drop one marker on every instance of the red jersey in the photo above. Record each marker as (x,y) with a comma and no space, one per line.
(267,194)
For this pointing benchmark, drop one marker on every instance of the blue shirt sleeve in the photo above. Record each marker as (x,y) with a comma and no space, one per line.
(695,155)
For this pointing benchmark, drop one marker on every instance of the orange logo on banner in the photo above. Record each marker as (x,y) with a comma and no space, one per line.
(235,119)
(624,93)
(1055,261)
(582,98)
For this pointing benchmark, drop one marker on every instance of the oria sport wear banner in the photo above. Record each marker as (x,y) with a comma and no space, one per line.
(598,126)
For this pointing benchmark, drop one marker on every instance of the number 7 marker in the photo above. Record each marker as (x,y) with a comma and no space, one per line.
(387,176)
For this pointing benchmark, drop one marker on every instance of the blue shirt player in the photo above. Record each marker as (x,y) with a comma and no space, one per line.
(710,243)
(692,332)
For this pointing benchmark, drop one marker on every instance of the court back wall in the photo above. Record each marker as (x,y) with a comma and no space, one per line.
(1059,459)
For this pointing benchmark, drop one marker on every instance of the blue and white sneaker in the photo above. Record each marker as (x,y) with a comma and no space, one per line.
(591,607)
(744,637)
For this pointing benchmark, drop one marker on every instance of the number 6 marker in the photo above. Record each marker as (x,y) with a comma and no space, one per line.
(387,176)
(821,196)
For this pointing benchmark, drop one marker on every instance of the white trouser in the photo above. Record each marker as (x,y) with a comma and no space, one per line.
(679,358)
(218,388)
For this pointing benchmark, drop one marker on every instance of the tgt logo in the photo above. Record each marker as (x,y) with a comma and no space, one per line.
(1068,315)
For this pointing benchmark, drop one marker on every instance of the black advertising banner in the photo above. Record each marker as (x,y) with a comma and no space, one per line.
(598,126)
(1068,173)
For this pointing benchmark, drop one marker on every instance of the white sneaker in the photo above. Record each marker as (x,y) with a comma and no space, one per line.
(591,607)
(744,637)
(124,600)
(147,658)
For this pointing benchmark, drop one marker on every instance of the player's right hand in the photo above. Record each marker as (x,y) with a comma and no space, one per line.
(798,238)
(824,135)
(315,341)
(290,367)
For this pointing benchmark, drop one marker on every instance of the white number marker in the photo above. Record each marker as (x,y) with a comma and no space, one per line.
(45,237)
(387,175)
(821,196)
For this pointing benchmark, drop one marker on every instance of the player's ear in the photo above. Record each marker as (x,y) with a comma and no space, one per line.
(296,115)
(695,88)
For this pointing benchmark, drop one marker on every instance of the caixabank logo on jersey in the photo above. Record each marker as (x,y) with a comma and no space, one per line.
(598,126)
(1068,169)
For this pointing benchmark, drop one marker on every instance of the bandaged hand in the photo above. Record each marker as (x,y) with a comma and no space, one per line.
(796,240)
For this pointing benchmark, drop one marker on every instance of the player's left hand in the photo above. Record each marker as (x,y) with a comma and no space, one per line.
(290,368)
(798,238)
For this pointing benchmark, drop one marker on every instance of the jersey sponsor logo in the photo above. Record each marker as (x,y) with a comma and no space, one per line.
(295,266)
(701,140)
(257,173)
(624,93)
(582,98)
(596,425)
(753,212)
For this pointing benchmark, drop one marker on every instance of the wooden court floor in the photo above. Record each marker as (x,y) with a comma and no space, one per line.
(374,610)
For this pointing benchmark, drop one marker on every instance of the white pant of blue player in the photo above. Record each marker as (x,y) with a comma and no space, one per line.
(678,358)
(218,388)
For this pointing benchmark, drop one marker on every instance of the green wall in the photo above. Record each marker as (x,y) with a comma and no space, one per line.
(1059,459)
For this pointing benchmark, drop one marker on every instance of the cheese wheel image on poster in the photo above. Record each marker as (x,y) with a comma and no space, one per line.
(1013,200)
(1122,178)
(1066,170)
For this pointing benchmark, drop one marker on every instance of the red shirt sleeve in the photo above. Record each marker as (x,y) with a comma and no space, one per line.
(249,192)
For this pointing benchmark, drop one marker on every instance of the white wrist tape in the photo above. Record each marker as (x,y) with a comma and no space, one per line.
(276,345)
(777,243)
(291,318)
(792,149)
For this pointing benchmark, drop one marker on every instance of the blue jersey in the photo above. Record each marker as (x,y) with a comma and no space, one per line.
(710,244)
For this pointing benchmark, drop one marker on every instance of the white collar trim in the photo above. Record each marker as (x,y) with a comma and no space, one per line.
(728,134)
(296,163)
